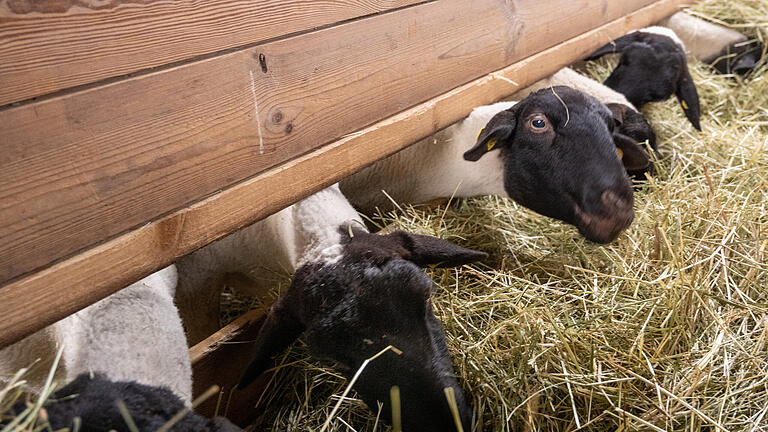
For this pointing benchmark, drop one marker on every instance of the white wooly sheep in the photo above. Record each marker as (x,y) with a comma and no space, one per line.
(553,152)
(132,335)
(709,42)
(277,246)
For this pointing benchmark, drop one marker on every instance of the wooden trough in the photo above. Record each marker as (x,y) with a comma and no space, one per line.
(134,132)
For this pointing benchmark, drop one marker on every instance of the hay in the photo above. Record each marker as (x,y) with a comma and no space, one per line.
(665,329)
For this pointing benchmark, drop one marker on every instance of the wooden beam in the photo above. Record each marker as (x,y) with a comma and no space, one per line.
(37,300)
(220,360)
(52,45)
(87,166)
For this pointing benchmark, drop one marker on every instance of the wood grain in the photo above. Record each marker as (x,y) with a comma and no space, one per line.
(55,44)
(84,167)
(37,300)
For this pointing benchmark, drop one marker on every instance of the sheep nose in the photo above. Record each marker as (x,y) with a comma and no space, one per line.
(611,200)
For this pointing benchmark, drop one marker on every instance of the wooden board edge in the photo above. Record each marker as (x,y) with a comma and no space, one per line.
(184,47)
(219,360)
(156,244)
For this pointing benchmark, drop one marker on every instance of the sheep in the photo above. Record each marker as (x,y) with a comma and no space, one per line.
(276,246)
(135,334)
(347,287)
(553,152)
(728,51)
(628,120)
(372,295)
(94,400)
(652,66)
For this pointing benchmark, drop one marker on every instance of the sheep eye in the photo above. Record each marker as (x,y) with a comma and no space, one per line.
(538,123)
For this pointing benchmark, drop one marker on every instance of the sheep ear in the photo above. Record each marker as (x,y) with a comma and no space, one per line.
(689,98)
(631,154)
(617,46)
(618,111)
(425,250)
(498,130)
(279,330)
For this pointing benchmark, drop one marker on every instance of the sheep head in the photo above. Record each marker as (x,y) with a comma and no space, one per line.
(559,153)
(374,296)
(651,68)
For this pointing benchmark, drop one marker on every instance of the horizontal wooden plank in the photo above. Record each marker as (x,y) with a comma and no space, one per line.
(35,301)
(52,45)
(87,166)
(229,346)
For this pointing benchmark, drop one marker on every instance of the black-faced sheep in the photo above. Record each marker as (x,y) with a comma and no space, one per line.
(553,152)
(371,296)
(628,120)
(651,68)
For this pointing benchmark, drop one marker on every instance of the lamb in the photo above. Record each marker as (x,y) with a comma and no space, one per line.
(652,66)
(728,51)
(94,401)
(554,152)
(372,295)
(117,336)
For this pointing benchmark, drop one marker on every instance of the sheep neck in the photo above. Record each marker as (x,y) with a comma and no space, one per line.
(432,168)
(316,224)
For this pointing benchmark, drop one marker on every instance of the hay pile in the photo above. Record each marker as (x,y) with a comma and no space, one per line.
(665,329)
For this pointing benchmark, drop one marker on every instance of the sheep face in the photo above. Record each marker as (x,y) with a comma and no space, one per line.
(375,296)
(559,152)
(651,68)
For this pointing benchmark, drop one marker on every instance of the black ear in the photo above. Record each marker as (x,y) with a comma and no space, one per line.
(616,47)
(688,96)
(425,250)
(279,330)
(632,155)
(498,130)
(618,112)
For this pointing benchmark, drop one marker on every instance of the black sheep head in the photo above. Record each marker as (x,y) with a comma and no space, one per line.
(651,68)
(374,296)
(559,152)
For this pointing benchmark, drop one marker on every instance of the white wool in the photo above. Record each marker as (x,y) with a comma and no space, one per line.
(432,168)
(663,31)
(569,77)
(307,231)
(134,334)
(703,40)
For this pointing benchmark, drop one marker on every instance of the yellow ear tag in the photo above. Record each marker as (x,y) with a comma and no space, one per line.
(685,105)
(491,143)
(619,153)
